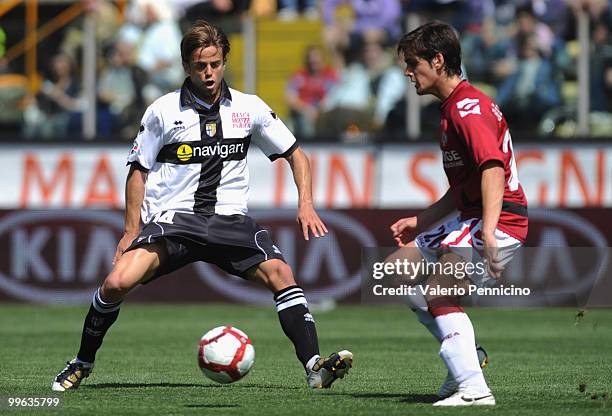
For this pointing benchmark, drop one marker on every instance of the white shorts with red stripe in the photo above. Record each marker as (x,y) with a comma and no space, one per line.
(464,239)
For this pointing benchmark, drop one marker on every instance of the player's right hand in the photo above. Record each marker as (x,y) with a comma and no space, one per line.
(124,243)
(491,254)
(309,221)
(405,230)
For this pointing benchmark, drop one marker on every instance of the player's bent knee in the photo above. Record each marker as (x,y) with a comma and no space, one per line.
(279,275)
(282,272)
(275,274)
(117,285)
(401,259)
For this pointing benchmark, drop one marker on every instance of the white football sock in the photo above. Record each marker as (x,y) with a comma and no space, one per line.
(418,304)
(458,353)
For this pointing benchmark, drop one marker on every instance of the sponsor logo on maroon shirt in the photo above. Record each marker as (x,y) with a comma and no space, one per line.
(474,132)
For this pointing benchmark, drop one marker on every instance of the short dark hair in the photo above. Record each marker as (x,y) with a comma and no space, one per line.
(430,39)
(202,35)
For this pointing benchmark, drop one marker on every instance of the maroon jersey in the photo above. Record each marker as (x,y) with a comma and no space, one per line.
(473,132)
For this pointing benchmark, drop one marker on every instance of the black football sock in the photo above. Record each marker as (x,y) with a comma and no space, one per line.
(297,322)
(100,317)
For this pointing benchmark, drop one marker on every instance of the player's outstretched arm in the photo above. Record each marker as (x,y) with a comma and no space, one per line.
(492,183)
(134,195)
(405,230)
(307,217)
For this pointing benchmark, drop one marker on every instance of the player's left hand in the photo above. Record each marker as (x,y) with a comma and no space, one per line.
(491,252)
(124,243)
(309,221)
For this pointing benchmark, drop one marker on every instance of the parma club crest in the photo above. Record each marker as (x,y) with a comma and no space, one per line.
(211,129)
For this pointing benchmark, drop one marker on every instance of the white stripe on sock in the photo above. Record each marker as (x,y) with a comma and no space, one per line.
(297,301)
(289,292)
(102,306)
(295,296)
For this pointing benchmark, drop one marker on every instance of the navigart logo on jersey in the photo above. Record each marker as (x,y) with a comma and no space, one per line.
(184,152)
(468,106)
(211,129)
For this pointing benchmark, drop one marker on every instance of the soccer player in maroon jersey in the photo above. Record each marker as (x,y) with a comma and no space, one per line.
(492,210)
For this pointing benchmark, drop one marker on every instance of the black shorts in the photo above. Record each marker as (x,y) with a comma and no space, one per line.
(235,243)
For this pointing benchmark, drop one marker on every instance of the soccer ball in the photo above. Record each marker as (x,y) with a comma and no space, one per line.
(225,354)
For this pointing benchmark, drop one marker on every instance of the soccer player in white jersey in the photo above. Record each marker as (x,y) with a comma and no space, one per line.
(188,182)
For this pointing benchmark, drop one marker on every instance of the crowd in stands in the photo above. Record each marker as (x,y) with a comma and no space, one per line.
(521,52)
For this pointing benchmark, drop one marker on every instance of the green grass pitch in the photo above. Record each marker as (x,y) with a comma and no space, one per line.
(539,357)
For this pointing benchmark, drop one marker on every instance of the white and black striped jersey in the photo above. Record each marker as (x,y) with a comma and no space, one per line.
(196,156)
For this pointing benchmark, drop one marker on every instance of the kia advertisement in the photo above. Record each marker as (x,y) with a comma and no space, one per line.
(61,256)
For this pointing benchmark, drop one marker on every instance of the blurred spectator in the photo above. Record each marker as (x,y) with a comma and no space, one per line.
(347,105)
(263,8)
(370,87)
(552,12)
(527,23)
(601,67)
(387,84)
(56,109)
(224,13)
(180,7)
(306,91)
(156,36)
(120,93)
(461,14)
(532,89)
(481,51)
(108,21)
(289,10)
(391,89)
(372,21)
(552,47)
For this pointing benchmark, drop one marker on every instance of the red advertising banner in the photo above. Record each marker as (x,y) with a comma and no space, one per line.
(61,256)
